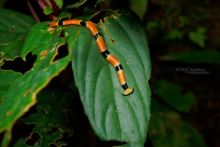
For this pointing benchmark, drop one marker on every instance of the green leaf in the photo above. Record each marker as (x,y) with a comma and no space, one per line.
(41,40)
(173,95)
(113,116)
(54,107)
(194,56)
(167,129)
(198,36)
(48,10)
(59,3)
(21,95)
(14,28)
(139,7)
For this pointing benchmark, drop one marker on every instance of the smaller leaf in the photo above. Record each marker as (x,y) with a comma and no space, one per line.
(48,10)
(199,36)
(40,40)
(172,94)
(59,3)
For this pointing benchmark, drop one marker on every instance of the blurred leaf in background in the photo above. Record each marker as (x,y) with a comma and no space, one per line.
(199,36)
(193,56)
(154,25)
(168,129)
(139,7)
(174,34)
(173,95)
(51,6)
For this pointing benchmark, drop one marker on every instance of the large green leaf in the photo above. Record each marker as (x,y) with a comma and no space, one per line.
(168,129)
(21,95)
(113,116)
(54,107)
(14,28)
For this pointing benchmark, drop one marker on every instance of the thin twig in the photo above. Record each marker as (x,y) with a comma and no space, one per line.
(33,12)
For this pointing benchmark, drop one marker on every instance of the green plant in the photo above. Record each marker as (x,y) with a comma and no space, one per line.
(111,115)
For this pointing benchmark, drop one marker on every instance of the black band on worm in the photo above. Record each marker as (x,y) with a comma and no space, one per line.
(83,23)
(118,67)
(124,86)
(97,35)
(60,23)
(105,53)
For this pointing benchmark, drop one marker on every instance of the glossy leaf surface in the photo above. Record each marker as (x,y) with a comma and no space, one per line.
(113,116)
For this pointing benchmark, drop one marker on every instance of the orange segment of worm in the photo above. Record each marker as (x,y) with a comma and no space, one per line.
(72,22)
(53,24)
(91,26)
(112,60)
(121,77)
(101,44)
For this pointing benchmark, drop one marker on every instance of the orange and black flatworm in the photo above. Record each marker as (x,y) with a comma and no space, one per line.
(102,49)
